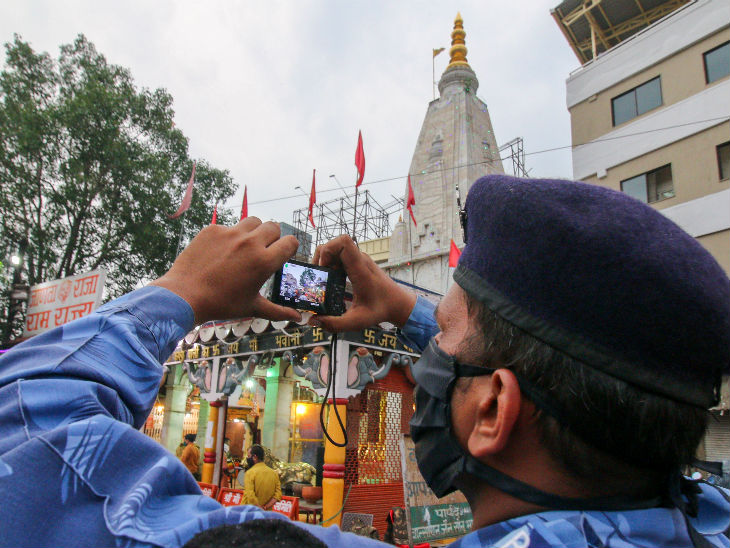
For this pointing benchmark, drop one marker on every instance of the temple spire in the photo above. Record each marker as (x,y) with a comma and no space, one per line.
(458,47)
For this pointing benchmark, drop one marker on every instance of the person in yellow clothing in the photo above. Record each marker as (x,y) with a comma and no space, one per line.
(261,483)
(191,455)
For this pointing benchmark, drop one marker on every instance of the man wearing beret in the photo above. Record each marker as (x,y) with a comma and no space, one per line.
(564,381)
(571,369)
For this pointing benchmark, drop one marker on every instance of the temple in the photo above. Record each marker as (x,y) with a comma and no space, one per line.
(455,147)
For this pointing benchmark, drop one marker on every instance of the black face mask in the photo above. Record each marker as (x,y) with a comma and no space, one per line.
(440,457)
(249,462)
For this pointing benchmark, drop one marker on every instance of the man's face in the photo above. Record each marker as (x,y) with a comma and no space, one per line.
(453,320)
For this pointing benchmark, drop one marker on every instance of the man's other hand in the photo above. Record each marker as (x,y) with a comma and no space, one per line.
(222,270)
(376,297)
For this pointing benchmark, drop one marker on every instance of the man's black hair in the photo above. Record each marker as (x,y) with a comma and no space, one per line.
(256,533)
(626,425)
(257,451)
(190,437)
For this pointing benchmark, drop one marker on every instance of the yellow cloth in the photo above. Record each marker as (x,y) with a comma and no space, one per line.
(190,457)
(261,484)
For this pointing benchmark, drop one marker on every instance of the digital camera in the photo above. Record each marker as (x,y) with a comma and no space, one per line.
(306,286)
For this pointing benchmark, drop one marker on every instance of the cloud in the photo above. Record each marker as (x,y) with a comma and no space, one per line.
(271,90)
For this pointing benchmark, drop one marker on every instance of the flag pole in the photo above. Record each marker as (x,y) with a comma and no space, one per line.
(433,75)
(180,239)
(184,206)
(436,51)
(354,215)
(410,245)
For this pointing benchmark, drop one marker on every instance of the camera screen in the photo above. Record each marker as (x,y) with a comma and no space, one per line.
(303,286)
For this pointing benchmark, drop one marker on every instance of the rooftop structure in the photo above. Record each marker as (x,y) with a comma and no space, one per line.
(594,26)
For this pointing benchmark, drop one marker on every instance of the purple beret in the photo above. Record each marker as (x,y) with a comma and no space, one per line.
(603,278)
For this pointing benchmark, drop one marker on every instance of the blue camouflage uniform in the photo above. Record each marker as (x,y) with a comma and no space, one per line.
(76,471)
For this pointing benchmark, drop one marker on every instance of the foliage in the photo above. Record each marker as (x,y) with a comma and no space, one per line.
(90,167)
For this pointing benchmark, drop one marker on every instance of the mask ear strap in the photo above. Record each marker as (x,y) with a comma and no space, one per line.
(528,493)
(464,370)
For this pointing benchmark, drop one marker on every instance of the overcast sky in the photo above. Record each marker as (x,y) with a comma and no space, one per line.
(270,90)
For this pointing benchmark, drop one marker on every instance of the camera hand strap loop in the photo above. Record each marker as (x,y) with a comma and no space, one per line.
(331,386)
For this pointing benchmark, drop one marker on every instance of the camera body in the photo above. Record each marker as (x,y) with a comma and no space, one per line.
(306,286)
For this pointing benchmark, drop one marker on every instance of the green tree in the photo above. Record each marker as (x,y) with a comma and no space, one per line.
(90,167)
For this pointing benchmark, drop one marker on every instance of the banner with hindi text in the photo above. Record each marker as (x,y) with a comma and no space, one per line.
(57,302)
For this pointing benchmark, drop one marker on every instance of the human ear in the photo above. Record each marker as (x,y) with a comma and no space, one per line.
(496,414)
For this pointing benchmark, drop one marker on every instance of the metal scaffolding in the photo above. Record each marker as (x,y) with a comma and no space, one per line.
(594,26)
(339,216)
(516,154)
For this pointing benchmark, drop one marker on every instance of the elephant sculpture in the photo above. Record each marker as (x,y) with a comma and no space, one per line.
(262,361)
(233,374)
(199,376)
(362,368)
(314,367)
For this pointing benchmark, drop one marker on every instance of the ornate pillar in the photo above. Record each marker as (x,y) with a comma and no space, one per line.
(218,442)
(203,412)
(277,415)
(210,438)
(333,475)
(178,388)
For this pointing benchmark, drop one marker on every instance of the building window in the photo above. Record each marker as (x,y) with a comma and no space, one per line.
(717,63)
(639,100)
(651,186)
(723,160)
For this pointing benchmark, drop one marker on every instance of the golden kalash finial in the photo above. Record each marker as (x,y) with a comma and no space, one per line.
(458,49)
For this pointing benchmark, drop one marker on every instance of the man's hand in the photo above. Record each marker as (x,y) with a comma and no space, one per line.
(222,270)
(377,298)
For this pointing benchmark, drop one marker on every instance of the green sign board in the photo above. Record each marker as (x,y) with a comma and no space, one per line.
(440,521)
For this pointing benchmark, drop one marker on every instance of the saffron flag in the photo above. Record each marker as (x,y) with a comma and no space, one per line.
(214,220)
(187,199)
(244,205)
(359,160)
(312,200)
(436,51)
(454,254)
(411,201)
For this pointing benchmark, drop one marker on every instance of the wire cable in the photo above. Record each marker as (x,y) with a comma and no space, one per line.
(331,385)
(461,166)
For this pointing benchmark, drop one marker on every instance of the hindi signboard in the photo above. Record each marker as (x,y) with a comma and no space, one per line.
(55,303)
(429,518)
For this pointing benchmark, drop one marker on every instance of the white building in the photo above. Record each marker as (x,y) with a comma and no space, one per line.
(455,147)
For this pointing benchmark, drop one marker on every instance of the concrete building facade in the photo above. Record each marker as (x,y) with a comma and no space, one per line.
(650,117)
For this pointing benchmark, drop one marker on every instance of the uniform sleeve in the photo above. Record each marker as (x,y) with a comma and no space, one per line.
(68,401)
(421,325)
(119,349)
